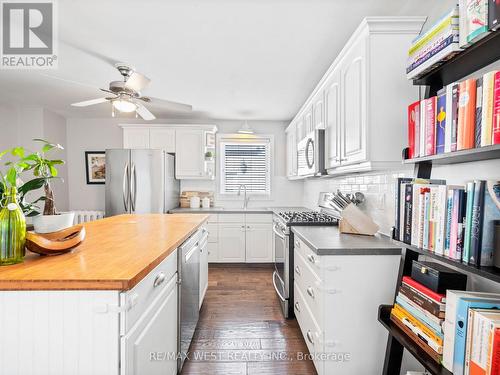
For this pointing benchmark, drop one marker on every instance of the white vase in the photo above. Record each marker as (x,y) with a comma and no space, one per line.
(53,223)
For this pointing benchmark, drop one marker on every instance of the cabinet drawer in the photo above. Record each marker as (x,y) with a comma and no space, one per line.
(310,256)
(213,233)
(137,300)
(259,218)
(310,286)
(231,218)
(308,326)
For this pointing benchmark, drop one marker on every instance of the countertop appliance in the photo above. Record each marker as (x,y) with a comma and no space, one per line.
(189,291)
(284,243)
(140,181)
(311,154)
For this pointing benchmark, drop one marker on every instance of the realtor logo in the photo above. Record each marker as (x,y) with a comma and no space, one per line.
(28,35)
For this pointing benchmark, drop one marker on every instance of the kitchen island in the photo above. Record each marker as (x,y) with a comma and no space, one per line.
(108,307)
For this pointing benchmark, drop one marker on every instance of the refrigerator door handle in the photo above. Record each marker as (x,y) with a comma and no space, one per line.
(124,187)
(133,192)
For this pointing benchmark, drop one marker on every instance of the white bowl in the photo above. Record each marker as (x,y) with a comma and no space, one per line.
(53,223)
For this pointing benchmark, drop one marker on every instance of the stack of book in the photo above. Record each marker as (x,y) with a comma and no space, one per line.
(460,28)
(463,115)
(420,313)
(454,221)
(471,342)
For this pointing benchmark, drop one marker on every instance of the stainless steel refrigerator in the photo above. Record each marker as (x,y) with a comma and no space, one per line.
(140,181)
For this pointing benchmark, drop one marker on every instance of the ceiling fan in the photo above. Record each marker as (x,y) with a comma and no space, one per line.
(126,95)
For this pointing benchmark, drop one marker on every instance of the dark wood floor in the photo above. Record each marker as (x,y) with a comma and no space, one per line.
(241,329)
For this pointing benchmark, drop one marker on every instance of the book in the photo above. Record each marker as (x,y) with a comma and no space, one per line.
(427,227)
(483,324)
(422,218)
(487,110)
(435,341)
(496,109)
(462,7)
(477,223)
(494,361)
(435,58)
(454,113)
(408,203)
(468,221)
(494,14)
(449,325)
(477,20)
(461,326)
(399,213)
(429,323)
(413,125)
(490,213)
(430,125)
(462,206)
(418,339)
(453,220)
(440,298)
(456,233)
(433,307)
(440,120)
(479,114)
(431,317)
(450,223)
(466,114)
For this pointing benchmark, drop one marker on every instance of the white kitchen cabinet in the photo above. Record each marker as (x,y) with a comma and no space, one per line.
(308,120)
(291,151)
(136,138)
(190,154)
(259,243)
(332,120)
(162,138)
(365,98)
(231,242)
(203,270)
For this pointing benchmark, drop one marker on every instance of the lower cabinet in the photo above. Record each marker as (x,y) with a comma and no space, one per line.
(203,269)
(259,243)
(231,242)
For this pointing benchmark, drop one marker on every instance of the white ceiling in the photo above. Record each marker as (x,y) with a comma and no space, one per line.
(230,59)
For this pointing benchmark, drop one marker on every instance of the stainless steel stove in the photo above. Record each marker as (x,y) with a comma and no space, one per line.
(307,218)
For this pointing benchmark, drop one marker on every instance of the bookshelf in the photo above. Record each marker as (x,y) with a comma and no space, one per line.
(472,59)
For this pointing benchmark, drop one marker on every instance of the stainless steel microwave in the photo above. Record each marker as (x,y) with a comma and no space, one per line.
(311,154)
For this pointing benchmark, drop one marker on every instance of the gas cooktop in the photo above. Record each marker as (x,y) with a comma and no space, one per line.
(307,218)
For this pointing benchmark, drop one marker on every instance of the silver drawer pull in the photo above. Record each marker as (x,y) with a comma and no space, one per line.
(310,337)
(297,270)
(310,291)
(160,279)
(311,258)
(297,306)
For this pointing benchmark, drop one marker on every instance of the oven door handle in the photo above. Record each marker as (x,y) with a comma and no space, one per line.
(280,235)
(276,287)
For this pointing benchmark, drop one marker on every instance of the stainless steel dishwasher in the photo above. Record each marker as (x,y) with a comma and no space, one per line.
(189,292)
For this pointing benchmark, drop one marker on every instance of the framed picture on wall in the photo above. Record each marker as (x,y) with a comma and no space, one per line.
(95,164)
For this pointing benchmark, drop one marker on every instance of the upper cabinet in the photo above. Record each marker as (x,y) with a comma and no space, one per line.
(361,100)
(291,151)
(190,143)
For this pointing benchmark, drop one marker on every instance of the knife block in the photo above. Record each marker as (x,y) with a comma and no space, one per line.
(355,221)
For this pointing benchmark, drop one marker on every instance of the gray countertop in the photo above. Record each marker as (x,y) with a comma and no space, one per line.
(329,241)
(232,210)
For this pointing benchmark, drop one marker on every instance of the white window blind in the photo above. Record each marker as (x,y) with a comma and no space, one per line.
(245,162)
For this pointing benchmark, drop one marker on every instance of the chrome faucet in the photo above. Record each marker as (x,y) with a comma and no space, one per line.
(246,199)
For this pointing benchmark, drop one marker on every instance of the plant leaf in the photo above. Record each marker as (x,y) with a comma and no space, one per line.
(11,176)
(18,151)
(53,170)
(31,185)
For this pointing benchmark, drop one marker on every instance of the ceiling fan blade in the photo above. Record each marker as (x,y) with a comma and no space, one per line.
(144,112)
(137,81)
(167,104)
(90,102)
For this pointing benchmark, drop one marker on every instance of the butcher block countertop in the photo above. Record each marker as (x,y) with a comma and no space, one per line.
(117,253)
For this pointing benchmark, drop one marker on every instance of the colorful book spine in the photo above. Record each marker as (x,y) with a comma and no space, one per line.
(423,201)
(468,221)
(466,114)
(426,303)
(413,118)
(477,20)
(494,16)
(496,110)
(487,110)
(462,206)
(477,223)
(479,114)
(430,323)
(405,315)
(449,118)
(408,213)
(426,219)
(494,360)
(491,213)
(454,112)
(449,224)
(430,126)
(440,120)
(440,298)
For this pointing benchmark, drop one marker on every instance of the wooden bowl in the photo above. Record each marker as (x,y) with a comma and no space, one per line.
(55,243)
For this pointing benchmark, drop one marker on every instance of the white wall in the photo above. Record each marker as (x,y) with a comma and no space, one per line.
(99,134)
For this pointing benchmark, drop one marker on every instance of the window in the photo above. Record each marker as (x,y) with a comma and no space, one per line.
(245,162)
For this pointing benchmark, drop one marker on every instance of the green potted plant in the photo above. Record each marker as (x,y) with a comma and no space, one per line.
(209,156)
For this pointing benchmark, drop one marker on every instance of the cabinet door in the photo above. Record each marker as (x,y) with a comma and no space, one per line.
(231,242)
(213,252)
(301,131)
(259,243)
(319,110)
(308,120)
(136,138)
(154,336)
(163,139)
(332,121)
(353,130)
(291,151)
(203,271)
(189,154)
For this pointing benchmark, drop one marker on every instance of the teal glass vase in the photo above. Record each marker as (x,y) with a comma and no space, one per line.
(12,229)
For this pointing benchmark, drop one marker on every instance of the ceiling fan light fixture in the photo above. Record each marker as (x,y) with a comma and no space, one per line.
(245,129)
(124,106)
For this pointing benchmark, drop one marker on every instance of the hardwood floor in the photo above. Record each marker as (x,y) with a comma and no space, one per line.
(241,329)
